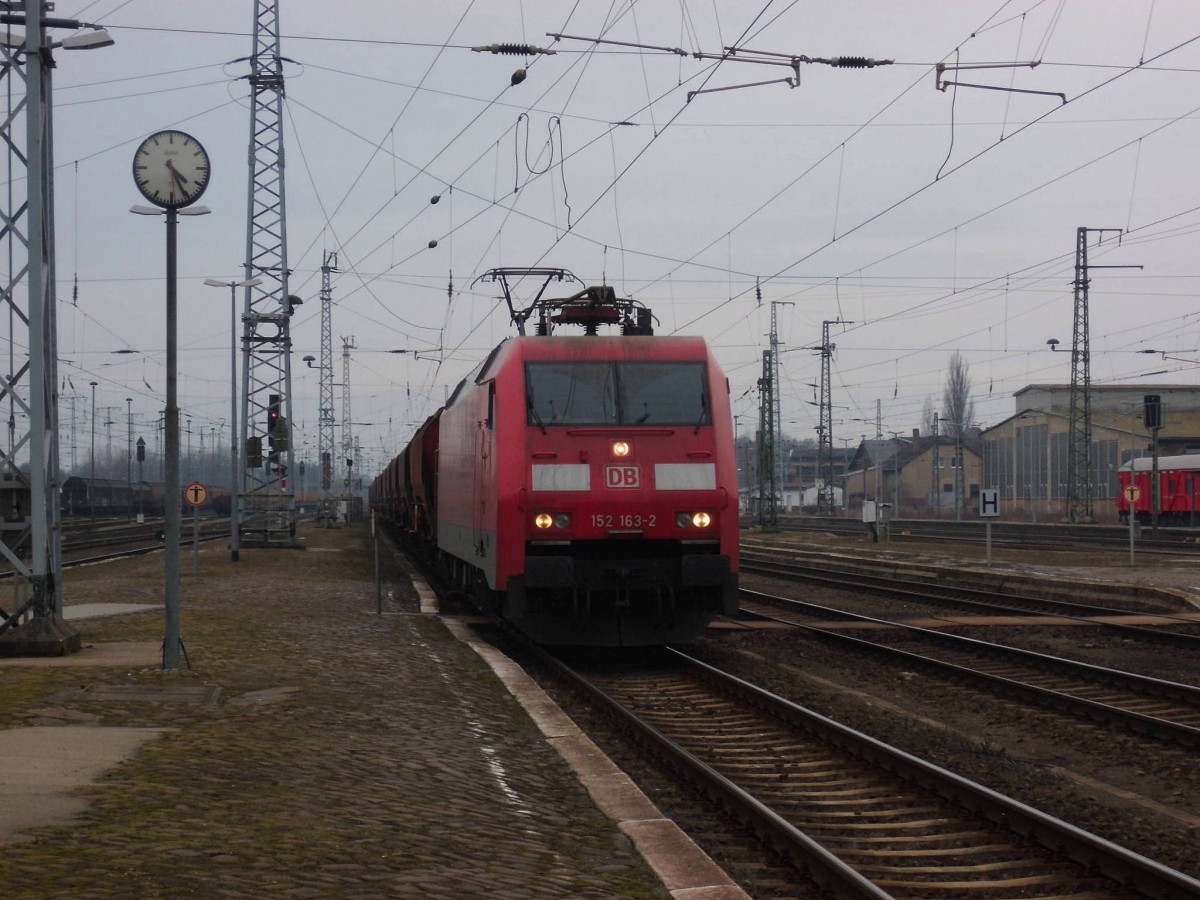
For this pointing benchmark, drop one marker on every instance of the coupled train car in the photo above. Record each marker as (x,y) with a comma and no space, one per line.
(117,497)
(583,487)
(1178,489)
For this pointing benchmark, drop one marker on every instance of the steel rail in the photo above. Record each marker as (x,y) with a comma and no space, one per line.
(990,601)
(1165,729)
(1119,863)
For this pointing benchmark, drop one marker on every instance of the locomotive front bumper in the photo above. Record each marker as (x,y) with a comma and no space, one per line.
(693,570)
(634,575)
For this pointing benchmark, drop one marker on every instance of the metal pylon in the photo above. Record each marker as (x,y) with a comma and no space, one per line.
(30,537)
(777,410)
(347,426)
(325,419)
(767,515)
(1079,438)
(825,490)
(267,500)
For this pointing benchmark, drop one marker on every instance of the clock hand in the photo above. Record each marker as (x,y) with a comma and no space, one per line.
(176,176)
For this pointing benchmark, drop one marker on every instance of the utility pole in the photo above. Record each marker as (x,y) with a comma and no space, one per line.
(935,480)
(777,410)
(878,464)
(766,444)
(825,493)
(129,443)
(325,419)
(959,480)
(266,500)
(1079,436)
(347,426)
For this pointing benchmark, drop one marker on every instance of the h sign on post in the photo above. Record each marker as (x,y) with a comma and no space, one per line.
(989,503)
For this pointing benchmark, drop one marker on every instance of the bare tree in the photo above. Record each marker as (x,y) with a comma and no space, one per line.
(958,409)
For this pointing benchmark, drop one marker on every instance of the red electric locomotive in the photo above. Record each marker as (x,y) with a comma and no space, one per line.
(1178,489)
(584,487)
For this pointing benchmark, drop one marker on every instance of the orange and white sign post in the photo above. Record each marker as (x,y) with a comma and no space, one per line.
(195,495)
(1132,494)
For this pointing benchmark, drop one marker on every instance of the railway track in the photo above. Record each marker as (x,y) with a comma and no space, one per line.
(1170,628)
(1163,710)
(858,817)
(1013,535)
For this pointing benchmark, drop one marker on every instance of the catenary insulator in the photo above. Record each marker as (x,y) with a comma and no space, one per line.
(513,49)
(857,62)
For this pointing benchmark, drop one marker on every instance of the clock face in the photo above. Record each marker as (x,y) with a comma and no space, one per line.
(171,170)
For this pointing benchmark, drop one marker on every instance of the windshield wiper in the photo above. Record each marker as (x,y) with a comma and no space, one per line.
(533,410)
(703,411)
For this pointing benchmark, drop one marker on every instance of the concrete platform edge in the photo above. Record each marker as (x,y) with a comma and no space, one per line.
(686,871)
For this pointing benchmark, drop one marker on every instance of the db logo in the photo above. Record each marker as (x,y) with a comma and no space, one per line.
(621,476)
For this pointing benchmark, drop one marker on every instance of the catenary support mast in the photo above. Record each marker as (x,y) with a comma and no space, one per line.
(767,516)
(267,501)
(326,421)
(1079,443)
(825,490)
(347,459)
(30,535)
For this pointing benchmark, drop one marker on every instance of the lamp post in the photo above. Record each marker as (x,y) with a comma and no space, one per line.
(235,448)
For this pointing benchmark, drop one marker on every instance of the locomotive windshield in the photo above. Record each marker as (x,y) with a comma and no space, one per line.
(616,393)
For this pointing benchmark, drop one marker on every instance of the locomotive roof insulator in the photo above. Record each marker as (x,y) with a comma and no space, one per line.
(592,307)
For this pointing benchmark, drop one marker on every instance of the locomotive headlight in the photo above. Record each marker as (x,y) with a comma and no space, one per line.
(620,448)
(701,520)
(543,520)
(562,520)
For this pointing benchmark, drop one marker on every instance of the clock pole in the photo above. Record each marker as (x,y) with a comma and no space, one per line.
(171,489)
(171,170)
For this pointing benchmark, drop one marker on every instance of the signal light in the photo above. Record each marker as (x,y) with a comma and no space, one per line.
(272,418)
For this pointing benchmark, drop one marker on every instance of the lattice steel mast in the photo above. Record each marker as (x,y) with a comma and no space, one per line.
(325,420)
(825,491)
(347,426)
(767,515)
(1079,439)
(30,533)
(267,502)
(777,411)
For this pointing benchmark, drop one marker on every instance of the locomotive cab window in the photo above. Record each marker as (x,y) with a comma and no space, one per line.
(616,393)
(570,393)
(663,393)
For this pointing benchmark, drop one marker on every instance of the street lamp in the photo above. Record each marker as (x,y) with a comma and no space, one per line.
(235,453)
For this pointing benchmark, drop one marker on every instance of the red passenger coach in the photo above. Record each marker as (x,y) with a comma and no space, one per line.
(1178,489)
(586,485)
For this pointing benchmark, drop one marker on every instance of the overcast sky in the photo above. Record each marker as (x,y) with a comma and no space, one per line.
(933,221)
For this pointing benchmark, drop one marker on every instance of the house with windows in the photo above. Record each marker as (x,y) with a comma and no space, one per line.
(917,475)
